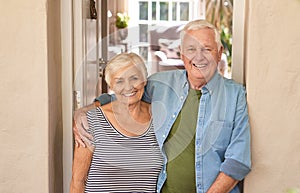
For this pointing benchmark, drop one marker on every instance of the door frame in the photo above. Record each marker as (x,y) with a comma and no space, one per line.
(239,41)
(67,90)
(72,40)
(67,39)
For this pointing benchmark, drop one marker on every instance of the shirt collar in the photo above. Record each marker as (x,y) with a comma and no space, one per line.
(209,87)
(212,83)
(185,82)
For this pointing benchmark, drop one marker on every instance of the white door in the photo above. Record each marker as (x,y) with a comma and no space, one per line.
(90,49)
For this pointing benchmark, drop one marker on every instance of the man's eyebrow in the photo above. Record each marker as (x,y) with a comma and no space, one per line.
(192,45)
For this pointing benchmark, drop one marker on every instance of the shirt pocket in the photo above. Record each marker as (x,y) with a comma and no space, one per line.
(219,134)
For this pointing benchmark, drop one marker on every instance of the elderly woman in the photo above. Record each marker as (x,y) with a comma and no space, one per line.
(125,156)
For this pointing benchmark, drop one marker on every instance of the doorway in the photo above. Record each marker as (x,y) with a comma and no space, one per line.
(81,52)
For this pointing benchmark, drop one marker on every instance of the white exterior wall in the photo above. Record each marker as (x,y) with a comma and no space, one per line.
(30,136)
(24,97)
(273,87)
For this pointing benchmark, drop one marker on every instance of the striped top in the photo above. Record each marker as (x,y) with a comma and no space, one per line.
(121,163)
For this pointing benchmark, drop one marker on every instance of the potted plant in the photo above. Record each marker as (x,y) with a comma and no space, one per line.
(122,20)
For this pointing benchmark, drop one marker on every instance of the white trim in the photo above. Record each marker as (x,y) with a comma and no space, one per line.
(66,41)
(238,41)
(78,49)
(200,5)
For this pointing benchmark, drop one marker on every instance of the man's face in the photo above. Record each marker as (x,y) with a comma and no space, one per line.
(200,54)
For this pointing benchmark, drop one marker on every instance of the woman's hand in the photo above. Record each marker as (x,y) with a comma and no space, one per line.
(77,186)
(81,164)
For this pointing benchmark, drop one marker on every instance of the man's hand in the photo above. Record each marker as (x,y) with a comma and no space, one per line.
(80,126)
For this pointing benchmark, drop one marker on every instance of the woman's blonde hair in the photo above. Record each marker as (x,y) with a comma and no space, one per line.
(124,60)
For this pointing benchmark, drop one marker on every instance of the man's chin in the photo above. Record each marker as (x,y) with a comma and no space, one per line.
(204,75)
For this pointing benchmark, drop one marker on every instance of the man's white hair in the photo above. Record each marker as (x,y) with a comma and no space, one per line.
(201,24)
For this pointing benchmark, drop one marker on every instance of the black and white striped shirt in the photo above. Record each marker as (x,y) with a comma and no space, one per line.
(121,163)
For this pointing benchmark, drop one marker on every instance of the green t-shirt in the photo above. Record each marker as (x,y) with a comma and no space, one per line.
(180,148)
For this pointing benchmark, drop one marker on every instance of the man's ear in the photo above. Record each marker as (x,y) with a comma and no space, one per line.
(180,52)
(220,53)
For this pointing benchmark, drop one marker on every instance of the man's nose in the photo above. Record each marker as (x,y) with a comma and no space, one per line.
(199,54)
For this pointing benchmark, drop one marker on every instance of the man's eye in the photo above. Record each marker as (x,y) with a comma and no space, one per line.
(191,49)
(205,50)
(119,81)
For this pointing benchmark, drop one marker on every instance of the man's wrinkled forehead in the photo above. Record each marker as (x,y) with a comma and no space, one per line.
(197,38)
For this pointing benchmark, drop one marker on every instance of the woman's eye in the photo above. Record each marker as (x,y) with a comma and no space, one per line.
(119,81)
(134,78)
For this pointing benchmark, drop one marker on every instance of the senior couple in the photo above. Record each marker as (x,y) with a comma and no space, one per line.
(179,131)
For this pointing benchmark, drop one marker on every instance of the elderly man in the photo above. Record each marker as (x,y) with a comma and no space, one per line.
(200,119)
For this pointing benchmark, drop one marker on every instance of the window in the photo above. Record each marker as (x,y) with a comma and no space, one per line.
(145,14)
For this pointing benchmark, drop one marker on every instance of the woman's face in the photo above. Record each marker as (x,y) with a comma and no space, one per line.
(128,84)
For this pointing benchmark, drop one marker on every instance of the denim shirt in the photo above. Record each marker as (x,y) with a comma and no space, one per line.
(222,141)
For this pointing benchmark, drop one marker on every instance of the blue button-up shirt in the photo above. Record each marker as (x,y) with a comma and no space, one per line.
(222,135)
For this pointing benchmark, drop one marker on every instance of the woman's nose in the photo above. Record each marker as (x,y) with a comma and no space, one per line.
(128,85)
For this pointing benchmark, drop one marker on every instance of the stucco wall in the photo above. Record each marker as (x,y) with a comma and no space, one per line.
(273,87)
(26,120)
